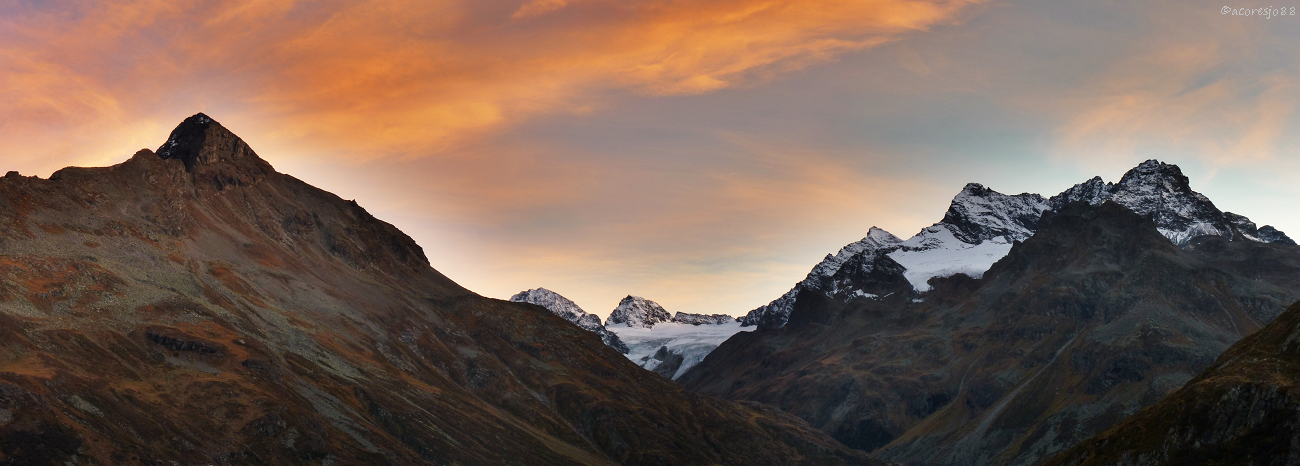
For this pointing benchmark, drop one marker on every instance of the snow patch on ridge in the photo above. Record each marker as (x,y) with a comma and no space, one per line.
(946,256)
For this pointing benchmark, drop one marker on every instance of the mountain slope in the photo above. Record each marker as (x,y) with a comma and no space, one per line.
(194,306)
(1245,409)
(1094,316)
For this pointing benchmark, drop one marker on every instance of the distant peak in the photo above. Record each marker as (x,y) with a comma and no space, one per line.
(880,235)
(635,311)
(199,140)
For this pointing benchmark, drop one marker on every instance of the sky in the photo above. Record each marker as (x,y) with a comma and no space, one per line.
(703,154)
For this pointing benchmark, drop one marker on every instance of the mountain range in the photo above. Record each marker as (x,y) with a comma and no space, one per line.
(191,305)
(1100,305)
(981,224)
(668,346)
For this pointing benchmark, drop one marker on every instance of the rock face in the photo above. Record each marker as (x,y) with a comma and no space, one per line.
(775,314)
(1244,409)
(1161,192)
(702,319)
(1093,317)
(193,306)
(635,311)
(568,310)
(981,224)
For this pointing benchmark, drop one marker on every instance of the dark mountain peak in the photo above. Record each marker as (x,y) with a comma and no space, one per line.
(978,213)
(975,189)
(1092,191)
(1161,191)
(199,140)
(1272,235)
(206,147)
(1157,173)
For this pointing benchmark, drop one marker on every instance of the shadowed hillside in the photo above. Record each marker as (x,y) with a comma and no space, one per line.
(193,306)
(1092,318)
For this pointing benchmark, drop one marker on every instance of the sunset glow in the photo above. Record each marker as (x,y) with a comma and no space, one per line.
(703,154)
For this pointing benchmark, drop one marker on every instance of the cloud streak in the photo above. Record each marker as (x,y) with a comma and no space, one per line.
(416,78)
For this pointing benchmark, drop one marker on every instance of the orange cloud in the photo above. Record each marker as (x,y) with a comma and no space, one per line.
(410,78)
(1182,90)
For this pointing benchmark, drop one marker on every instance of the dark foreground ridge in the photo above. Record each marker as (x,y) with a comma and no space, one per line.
(1245,409)
(193,306)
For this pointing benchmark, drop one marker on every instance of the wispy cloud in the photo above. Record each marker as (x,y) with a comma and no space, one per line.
(406,78)
(1227,98)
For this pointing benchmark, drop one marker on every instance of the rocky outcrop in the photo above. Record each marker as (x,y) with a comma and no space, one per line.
(1093,317)
(702,319)
(635,311)
(1244,409)
(193,306)
(665,363)
(568,310)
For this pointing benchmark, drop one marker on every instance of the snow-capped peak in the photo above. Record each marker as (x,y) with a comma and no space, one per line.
(820,277)
(1162,192)
(880,236)
(876,239)
(568,310)
(558,305)
(1093,191)
(981,225)
(635,311)
(978,213)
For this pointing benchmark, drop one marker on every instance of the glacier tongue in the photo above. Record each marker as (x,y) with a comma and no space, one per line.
(948,256)
(642,330)
(691,342)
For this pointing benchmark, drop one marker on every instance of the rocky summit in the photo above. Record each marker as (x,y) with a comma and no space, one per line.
(193,306)
(1093,317)
(635,311)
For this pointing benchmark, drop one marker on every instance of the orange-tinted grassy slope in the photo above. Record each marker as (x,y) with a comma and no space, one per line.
(193,306)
